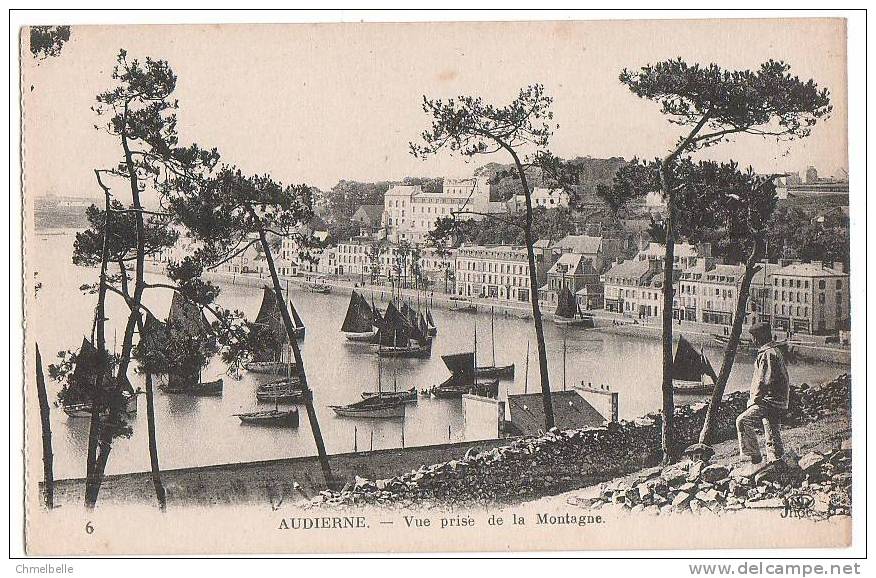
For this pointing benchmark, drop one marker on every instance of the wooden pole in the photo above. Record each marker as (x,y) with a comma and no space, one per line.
(372,440)
(48,476)
(355,440)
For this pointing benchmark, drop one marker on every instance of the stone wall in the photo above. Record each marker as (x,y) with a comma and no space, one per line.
(559,461)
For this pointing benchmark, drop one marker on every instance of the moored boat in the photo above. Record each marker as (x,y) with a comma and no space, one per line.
(372,407)
(199,388)
(358,323)
(568,313)
(271,418)
(409,396)
(690,368)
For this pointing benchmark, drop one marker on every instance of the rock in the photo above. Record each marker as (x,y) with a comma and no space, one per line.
(699,452)
(688,487)
(695,470)
(714,472)
(846,445)
(645,491)
(681,500)
(842,479)
(766,503)
(773,471)
(810,461)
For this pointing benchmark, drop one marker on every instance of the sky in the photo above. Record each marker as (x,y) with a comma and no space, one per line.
(316,103)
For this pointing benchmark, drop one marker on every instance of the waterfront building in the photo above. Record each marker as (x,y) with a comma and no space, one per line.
(599,251)
(709,290)
(498,272)
(409,213)
(810,298)
(575,272)
(686,254)
(634,287)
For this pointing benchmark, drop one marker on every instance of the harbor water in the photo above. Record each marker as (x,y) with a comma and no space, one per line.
(203,431)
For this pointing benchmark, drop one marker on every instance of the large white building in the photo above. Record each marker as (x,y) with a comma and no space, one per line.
(409,213)
(496,271)
(542,197)
(810,298)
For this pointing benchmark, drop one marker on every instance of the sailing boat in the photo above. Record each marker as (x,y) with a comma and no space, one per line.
(375,406)
(187,331)
(270,319)
(358,324)
(397,337)
(430,321)
(286,390)
(568,312)
(492,370)
(690,369)
(275,417)
(463,379)
(75,396)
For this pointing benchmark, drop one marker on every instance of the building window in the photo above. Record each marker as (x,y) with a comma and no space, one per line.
(821,284)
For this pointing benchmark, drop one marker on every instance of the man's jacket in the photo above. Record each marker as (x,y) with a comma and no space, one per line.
(769,384)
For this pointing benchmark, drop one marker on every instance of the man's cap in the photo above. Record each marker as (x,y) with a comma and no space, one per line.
(760,329)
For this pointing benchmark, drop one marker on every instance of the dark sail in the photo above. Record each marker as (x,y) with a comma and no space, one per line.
(296,319)
(460,363)
(359,317)
(395,331)
(154,345)
(81,384)
(566,306)
(186,319)
(429,319)
(688,362)
(270,319)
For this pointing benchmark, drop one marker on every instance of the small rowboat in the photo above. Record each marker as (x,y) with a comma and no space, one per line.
(271,418)
(409,396)
(319,288)
(453,388)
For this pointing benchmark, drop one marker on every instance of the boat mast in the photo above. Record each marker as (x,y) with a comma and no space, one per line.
(476,346)
(493,336)
(526,376)
(564,363)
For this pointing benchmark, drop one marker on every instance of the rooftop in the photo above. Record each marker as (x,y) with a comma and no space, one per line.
(808,270)
(571,411)
(572,264)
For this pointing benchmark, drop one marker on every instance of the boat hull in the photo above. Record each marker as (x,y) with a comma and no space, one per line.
(395,411)
(268,367)
(364,337)
(203,388)
(271,418)
(683,386)
(409,396)
(500,371)
(417,352)
(83,410)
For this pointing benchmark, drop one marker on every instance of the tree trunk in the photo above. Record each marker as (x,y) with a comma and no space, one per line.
(128,340)
(299,361)
(707,433)
(46,428)
(533,296)
(160,494)
(668,411)
(100,345)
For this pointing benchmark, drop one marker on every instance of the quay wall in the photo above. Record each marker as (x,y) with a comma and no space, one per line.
(504,470)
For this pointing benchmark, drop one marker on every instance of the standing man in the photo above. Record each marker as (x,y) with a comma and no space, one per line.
(767,403)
